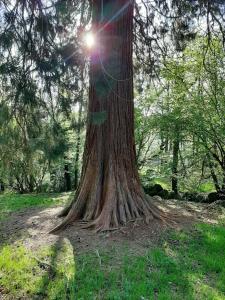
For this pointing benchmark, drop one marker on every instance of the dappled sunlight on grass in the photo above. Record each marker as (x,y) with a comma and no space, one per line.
(183,268)
(185,264)
(48,273)
(202,256)
(15,202)
(19,272)
(164,182)
(58,282)
(206,187)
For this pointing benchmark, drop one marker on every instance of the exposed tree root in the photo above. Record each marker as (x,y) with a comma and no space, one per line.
(118,206)
(102,224)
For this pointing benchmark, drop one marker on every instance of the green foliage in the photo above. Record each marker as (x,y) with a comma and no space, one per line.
(162,181)
(41,65)
(190,111)
(206,187)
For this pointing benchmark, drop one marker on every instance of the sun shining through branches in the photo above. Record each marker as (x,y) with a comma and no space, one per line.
(89,40)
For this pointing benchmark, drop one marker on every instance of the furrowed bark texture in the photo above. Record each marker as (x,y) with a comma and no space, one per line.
(110,192)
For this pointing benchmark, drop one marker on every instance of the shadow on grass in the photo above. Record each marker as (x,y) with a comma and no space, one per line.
(10,203)
(186,265)
(58,281)
(21,213)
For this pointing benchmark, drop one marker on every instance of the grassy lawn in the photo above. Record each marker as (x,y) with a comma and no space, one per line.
(185,265)
(14,202)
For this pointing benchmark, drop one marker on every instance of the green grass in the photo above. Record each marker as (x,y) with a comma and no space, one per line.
(14,202)
(184,265)
(188,265)
(46,274)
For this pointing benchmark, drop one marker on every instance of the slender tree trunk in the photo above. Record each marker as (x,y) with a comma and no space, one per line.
(67,177)
(110,193)
(223,172)
(176,144)
(77,155)
(2,187)
(213,175)
(78,142)
(166,144)
(31,183)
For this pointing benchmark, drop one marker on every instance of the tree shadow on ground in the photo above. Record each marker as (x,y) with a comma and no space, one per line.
(185,265)
(22,221)
(136,262)
(58,281)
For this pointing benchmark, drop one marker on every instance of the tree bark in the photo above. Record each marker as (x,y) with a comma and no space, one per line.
(67,177)
(176,144)
(213,174)
(223,183)
(78,141)
(77,155)
(2,187)
(110,193)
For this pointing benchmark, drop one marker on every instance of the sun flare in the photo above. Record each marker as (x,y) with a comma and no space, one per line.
(89,39)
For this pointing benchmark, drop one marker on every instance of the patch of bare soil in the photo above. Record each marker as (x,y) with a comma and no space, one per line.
(31,228)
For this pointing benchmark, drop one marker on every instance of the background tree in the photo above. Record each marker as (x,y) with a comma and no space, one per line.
(40,84)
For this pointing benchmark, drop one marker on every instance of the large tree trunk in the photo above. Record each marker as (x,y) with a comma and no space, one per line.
(110,193)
